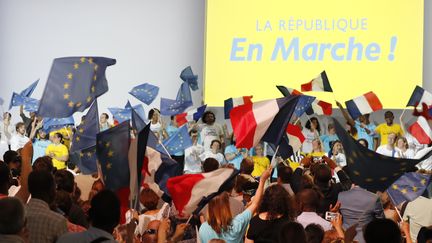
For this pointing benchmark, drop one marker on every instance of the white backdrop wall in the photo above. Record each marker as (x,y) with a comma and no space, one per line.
(151,40)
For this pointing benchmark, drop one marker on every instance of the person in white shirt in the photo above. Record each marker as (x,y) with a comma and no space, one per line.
(419,214)
(214,152)
(156,124)
(389,148)
(103,122)
(309,201)
(337,153)
(6,131)
(311,131)
(192,155)
(19,139)
(403,149)
(210,130)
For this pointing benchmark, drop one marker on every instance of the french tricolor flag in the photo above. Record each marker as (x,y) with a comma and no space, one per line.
(295,137)
(230,103)
(288,91)
(364,104)
(191,192)
(320,83)
(264,120)
(420,96)
(421,130)
(191,115)
(320,107)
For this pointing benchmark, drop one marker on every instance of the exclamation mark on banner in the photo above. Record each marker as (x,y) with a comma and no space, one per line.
(393,42)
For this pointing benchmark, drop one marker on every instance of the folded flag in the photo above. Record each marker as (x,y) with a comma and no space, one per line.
(154,167)
(183,100)
(123,114)
(191,192)
(320,83)
(420,96)
(264,120)
(137,122)
(295,137)
(112,153)
(85,135)
(234,102)
(73,84)
(364,104)
(146,92)
(191,115)
(190,78)
(320,107)
(85,160)
(179,141)
(52,124)
(29,104)
(408,187)
(421,130)
(29,90)
(288,91)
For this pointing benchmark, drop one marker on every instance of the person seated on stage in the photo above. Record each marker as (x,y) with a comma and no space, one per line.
(192,155)
(214,152)
(403,148)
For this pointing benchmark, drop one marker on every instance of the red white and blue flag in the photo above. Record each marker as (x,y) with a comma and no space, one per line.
(364,104)
(320,107)
(191,192)
(230,103)
(288,91)
(191,115)
(295,137)
(421,130)
(420,96)
(320,83)
(262,121)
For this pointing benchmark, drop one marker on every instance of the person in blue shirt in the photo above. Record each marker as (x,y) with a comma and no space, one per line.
(40,143)
(221,225)
(171,130)
(328,138)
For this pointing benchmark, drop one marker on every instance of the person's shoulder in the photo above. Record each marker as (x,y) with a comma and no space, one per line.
(70,237)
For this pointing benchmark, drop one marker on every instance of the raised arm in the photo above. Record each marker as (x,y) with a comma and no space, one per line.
(345,114)
(256,200)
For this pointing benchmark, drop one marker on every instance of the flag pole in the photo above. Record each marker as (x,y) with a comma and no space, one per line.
(166,151)
(273,161)
(400,120)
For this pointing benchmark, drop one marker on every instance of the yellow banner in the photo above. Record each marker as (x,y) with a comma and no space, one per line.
(369,45)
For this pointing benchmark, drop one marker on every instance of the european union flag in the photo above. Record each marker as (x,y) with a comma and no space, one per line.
(370,170)
(190,78)
(137,123)
(180,104)
(29,104)
(146,92)
(29,90)
(112,152)
(408,187)
(85,160)
(304,103)
(73,84)
(51,124)
(179,141)
(85,135)
(123,114)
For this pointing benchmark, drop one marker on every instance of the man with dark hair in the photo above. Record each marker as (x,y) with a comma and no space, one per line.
(192,155)
(104,217)
(210,165)
(12,221)
(44,163)
(44,225)
(103,122)
(18,139)
(382,230)
(210,130)
(13,160)
(314,233)
(5,179)
(308,203)
(384,129)
(284,177)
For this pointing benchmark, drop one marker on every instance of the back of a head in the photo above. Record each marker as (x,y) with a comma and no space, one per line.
(43,163)
(64,180)
(292,232)
(149,199)
(219,213)
(284,173)
(308,199)
(41,185)
(12,216)
(425,235)
(4,175)
(322,174)
(11,156)
(382,230)
(105,210)
(210,164)
(63,201)
(314,233)
(246,166)
(276,201)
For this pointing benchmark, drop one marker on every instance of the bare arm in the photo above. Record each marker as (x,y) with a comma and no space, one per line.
(345,114)
(260,191)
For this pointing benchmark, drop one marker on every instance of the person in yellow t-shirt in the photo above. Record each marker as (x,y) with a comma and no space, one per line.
(58,152)
(384,129)
(261,162)
(317,150)
(66,132)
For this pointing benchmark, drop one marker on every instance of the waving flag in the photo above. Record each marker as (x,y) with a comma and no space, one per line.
(85,135)
(295,137)
(179,141)
(230,103)
(320,107)
(191,115)
(154,167)
(191,192)
(421,130)
(364,104)
(137,122)
(85,160)
(320,83)
(264,120)
(420,96)
(146,92)
(29,90)
(112,152)
(73,84)
(408,187)
(288,91)
(29,104)
(183,100)
(123,114)
(52,124)
(190,78)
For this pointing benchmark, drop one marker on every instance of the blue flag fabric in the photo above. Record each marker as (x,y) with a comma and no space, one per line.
(52,124)
(112,152)
(123,114)
(146,92)
(184,94)
(304,103)
(137,122)
(85,135)
(179,141)
(73,84)
(190,78)
(29,90)
(408,187)
(85,160)
(183,100)
(29,104)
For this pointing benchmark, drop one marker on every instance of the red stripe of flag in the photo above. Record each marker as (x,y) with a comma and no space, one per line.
(243,122)
(182,185)
(373,101)
(306,86)
(326,107)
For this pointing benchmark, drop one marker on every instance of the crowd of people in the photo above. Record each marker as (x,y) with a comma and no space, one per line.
(307,197)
